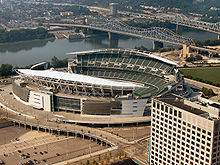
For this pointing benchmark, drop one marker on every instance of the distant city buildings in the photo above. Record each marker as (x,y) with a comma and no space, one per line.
(113,9)
(184,132)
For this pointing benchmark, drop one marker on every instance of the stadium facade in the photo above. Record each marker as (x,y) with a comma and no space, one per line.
(108,82)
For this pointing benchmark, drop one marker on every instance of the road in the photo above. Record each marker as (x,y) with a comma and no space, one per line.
(201,85)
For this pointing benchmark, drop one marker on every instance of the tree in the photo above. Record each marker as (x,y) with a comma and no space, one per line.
(208,92)
(6,70)
(54,62)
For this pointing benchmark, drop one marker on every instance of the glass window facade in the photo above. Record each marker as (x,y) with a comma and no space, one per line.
(66,104)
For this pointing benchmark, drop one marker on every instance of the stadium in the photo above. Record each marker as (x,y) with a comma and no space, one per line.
(107,82)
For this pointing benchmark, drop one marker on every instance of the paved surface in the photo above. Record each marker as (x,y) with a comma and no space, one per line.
(9,134)
(130,133)
(9,100)
(54,151)
(200,84)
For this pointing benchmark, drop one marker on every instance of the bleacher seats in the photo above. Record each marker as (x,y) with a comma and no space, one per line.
(128,67)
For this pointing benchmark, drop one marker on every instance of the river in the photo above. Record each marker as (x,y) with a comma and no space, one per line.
(30,52)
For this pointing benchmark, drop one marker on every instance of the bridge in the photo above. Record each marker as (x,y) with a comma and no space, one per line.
(154,33)
(180,19)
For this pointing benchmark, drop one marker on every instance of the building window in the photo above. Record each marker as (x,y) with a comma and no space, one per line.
(180,114)
(158,106)
(175,112)
(154,104)
(166,109)
(171,111)
(162,107)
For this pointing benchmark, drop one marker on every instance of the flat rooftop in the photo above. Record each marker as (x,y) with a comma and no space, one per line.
(178,102)
(75,78)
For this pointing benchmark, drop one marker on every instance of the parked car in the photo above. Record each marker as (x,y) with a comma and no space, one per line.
(30,162)
(2,162)
(36,161)
(23,156)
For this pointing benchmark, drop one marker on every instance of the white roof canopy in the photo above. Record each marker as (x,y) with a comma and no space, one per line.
(76,78)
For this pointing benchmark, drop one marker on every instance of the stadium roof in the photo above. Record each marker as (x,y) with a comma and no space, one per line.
(128,50)
(75,77)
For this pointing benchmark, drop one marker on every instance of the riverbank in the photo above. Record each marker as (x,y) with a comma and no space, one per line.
(26,41)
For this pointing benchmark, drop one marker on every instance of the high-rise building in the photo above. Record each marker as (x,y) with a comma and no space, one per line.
(184,132)
(113,9)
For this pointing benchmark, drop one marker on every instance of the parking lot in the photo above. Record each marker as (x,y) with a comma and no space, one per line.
(9,134)
(41,148)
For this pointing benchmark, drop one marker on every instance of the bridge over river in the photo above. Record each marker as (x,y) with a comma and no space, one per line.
(115,26)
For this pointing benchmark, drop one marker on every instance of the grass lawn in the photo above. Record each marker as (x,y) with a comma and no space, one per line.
(205,73)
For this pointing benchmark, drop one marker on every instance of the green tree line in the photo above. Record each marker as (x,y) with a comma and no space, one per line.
(24,35)
(208,43)
(208,92)
(6,70)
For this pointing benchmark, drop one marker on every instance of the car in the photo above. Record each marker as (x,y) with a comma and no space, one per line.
(5,155)
(2,162)
(28,154)
(23,156)
(19,151)
(36,161)
(45,152)
(57,154)
(30,162)
(44,160)
(41,153)
(16,139)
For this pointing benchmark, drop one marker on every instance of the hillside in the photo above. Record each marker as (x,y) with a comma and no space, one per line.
(185,6)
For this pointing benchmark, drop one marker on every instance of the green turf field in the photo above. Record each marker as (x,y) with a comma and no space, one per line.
(205,73)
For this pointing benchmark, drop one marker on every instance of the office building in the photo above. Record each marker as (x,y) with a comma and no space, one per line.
(184,132)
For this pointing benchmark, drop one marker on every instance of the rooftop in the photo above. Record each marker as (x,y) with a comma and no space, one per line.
(179,103)
(75,78)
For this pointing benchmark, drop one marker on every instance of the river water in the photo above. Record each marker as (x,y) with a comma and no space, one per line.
(26,53)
